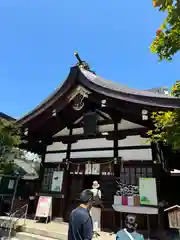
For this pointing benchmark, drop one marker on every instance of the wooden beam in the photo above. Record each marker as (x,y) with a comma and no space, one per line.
(118,135)
(102,149)
(103,115)
(129,163)
(99,123)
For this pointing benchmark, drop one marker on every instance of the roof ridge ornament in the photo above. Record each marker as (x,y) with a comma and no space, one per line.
(82,64)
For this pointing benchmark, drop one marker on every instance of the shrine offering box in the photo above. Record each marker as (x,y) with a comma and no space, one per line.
(174,216)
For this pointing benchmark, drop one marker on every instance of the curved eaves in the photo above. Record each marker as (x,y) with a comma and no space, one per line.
(118,91)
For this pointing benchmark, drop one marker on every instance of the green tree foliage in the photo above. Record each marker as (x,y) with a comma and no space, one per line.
(167,124)
(167,41)
(9,142)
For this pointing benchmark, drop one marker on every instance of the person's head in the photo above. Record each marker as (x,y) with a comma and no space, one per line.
(95,185)
(130,222)
(86,198)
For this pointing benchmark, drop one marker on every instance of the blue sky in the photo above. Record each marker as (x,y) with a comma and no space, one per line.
(39,37)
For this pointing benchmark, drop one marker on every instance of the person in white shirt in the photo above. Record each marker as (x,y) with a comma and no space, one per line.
(96,209)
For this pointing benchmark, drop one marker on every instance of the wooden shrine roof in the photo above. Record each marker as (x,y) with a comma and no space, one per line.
(106,88)
(118,89)
(58,112)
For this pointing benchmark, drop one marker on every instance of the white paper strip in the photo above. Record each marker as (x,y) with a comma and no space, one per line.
(88,169)
(95,169)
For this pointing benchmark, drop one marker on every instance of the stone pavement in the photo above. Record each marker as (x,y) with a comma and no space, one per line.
(60,229)
(50,230)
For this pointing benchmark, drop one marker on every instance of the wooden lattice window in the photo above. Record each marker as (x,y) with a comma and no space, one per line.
(131,174)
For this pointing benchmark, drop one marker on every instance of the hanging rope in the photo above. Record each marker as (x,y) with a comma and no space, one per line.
(91,162)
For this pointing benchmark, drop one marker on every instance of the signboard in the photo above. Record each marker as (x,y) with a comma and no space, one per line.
(57,181)
(44,207)
(174,219)
(174,216)
(11,184)
(148,191)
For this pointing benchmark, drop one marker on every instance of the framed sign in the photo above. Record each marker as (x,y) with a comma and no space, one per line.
(174,216)
(148,191)
(11,184)
(57,181)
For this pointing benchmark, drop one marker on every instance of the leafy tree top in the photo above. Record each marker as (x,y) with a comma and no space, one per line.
(167,41)
(167,124)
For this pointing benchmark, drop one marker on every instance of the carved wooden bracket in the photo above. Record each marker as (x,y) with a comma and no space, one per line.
(77,97)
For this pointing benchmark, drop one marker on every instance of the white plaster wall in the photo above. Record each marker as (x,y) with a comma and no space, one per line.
(92,154)
(133,141)
(92,143)
(127,155)
(56,146)
(99,143)
(142,154)
(55,157)
(136,154)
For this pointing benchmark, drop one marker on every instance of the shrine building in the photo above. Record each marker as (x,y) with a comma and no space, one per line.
(94,129)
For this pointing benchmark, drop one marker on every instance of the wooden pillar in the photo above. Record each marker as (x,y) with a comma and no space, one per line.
(66,177)
(115,143)
(156,167)
(117,219)
(41,172)
(157,174)
(68,152)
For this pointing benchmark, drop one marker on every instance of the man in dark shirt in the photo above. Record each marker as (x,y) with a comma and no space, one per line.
(80,222)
